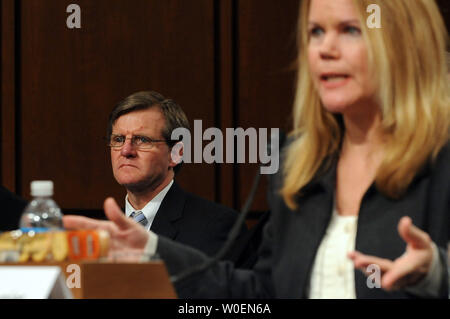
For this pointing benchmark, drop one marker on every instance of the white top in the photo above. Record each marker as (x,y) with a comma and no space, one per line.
(333,274)
(151,208)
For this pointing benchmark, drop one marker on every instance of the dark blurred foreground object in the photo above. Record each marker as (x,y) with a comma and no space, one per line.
(11,208)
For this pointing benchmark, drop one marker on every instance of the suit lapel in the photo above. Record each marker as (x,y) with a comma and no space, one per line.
(171,209)
(309,225)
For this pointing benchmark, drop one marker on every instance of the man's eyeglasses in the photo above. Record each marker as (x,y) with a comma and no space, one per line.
(139,141)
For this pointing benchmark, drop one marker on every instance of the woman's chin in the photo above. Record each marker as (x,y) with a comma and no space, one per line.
(335,107)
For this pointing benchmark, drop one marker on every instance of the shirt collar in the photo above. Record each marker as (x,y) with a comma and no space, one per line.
(151,208)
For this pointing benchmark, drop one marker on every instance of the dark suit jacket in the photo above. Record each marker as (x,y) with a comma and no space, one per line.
(291,239)
(11,208)
(194,221)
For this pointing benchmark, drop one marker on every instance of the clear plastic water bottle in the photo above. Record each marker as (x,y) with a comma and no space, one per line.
(42,213)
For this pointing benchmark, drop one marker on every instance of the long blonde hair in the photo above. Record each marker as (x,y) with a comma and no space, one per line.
(408,54)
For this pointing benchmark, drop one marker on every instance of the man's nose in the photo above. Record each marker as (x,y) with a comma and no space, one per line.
(128,149)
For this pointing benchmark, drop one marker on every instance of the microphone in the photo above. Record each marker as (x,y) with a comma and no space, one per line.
(272,149)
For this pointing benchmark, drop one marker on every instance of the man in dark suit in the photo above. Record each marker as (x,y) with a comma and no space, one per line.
(11,208)
(139,133)
(192,220)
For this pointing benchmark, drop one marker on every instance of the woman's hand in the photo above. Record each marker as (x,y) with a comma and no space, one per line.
(127,238)
(409,268)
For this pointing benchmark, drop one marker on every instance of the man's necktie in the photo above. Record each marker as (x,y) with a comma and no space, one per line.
(139,217)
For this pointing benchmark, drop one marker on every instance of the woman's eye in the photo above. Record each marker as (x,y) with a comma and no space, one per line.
(352,30)
(315,32)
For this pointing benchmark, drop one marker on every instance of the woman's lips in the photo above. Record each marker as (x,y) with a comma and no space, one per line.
(334,80)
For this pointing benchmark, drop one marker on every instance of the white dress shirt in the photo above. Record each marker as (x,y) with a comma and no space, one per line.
(151,208)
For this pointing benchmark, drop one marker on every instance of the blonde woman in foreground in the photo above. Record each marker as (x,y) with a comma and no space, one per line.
(365,185)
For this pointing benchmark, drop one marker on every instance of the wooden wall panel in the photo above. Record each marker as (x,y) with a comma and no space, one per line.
(223,61)
(267,51)
(225,93)
(444,6)
(8,95)
(71,79)
(227,62)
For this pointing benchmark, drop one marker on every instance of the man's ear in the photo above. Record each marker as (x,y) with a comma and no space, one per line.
(176,154)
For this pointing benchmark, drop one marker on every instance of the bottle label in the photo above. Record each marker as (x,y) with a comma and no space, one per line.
(34,229)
